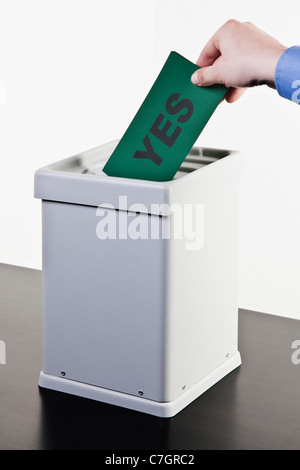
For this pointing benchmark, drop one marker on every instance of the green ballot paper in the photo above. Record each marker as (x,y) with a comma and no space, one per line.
(167,124)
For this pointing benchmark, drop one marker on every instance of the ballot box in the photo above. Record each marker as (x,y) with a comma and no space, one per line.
(140,280)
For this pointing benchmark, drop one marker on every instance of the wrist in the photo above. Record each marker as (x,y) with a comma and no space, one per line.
(270,64)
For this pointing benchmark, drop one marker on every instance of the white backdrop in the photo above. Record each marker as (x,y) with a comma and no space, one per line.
(74,72)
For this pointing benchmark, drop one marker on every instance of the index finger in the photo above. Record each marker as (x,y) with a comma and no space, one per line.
(209,53)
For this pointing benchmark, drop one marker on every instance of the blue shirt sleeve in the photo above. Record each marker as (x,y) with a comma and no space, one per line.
(287,74)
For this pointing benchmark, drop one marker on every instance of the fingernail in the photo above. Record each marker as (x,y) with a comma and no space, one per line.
(195,79)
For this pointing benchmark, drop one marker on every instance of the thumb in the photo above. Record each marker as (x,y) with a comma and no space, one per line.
(207,76)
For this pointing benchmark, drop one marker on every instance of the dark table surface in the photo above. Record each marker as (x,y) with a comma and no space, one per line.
(257,406)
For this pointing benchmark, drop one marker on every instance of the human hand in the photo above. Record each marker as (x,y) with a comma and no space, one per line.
(239,55)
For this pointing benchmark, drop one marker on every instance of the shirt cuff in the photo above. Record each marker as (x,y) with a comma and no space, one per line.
(287,74)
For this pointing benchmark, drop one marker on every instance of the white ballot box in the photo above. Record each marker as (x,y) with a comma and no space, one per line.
(140,280)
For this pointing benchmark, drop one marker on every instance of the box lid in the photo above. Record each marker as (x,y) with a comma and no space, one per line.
(80,179)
